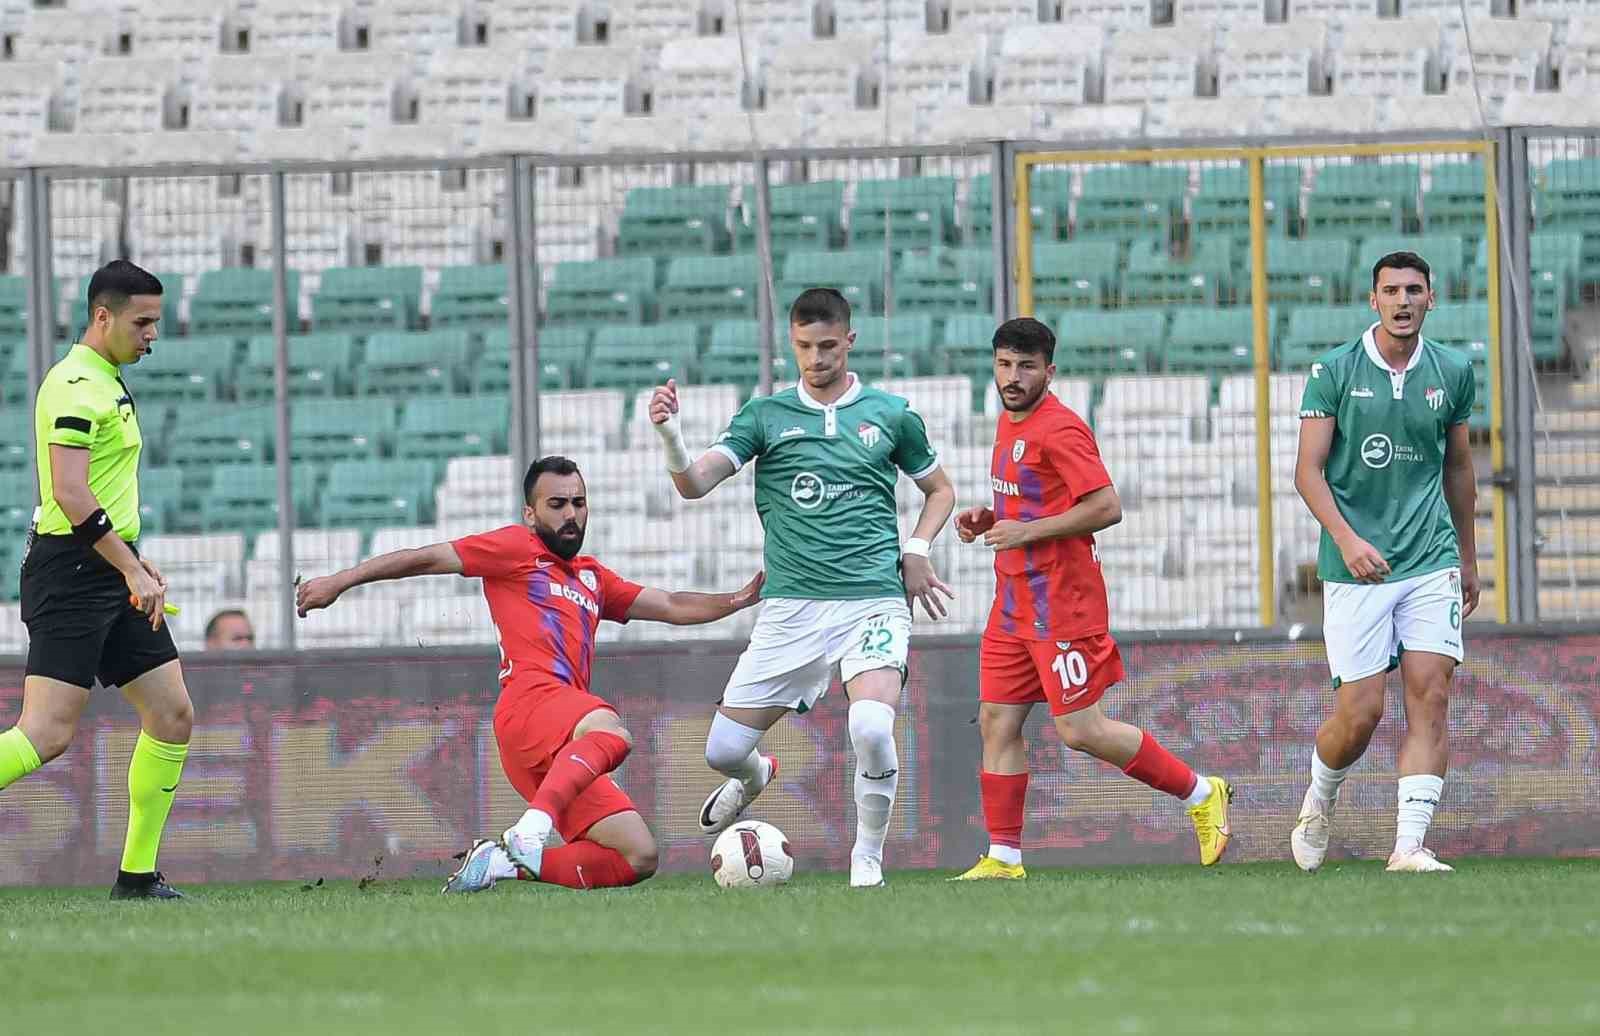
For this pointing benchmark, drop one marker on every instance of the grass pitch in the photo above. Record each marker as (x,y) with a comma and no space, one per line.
(1500,946)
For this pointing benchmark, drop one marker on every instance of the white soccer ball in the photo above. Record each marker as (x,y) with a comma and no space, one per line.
(750,855)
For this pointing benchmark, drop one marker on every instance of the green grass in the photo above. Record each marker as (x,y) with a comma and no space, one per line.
(1499,946)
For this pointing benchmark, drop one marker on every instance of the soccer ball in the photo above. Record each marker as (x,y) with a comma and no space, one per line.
(751,855)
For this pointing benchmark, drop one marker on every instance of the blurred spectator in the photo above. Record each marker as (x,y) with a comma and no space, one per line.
(230,630)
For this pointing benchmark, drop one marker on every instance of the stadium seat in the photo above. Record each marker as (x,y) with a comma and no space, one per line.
(239,435)
(1508,56)
(1453,202)
(1445,253)
(1313,271)
(365,298)
(1314,330)
(418,28)
(864,19)
(1155,277)
(1144,397)
(239,93)
(1099,342)
(445,621)
(177,31)
(823,77)
(1054,65)
(674,221)
(906,342)
(946,279)
(1075,273)
(319,365)
(197,565)
(767,22)
(631,358)
(967,348)
(1114,16)
(470,296)
(126,95)
(1154,64)
(365,493)
(26,89)
(574,83)
(245,496)
(1322,116)
(357,90)
(1272,60)
(478,489)
(1211,340)
(1386,57)
(198,367)
(56,37)
(236,301)
(295,29)
(451,426)
(804,217)
(1206,117)
(698,75)
(1463,326)
(1363,197)
(315,550)
(537,25)
(704,411)
(938,71)
(856,274)
(414,363)
(341,429)
(1127,201)
(917,212)
(16,439)
(945,403)
(706,288)
(491,373)
(734,356)
(602,290)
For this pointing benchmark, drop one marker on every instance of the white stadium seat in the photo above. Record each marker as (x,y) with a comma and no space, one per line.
(211,562)
(1334,12)
(441,621)
(124,95)
(1324,115)
(1155,396)
(353,90)
(468,88)
(1272,60)
(1047,64)
(991,17)
(1547,109)
(651,23)
(56,36)
(1228,19)
(297,29)
(1456,111)
(1206,117)
(181,32)
(1114,16)
(1452,30)
(864,19)
(553,132)
(943,402)
(1386,57)
(1508,56)
(239,93)
(699,75)
(574,82)
(703,412)
(940,70)
(1096,121)
(315,550)
(766,22)
(418,29)
(730,131)
(595,412)
(1154,64)
(825,76)
(1580,58)
(303,144)
(969,123)
(26,88)
(534,24)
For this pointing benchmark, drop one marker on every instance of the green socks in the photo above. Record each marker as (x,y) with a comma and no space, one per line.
(17,756)
(152,780)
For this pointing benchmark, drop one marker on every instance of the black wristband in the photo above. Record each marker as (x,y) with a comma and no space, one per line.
(90,531)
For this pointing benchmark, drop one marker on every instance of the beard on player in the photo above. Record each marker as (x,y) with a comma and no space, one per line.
(1016,395)
(565,542)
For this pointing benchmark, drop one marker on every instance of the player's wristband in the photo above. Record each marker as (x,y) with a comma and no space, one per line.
(916,546)
(672,439)
(93,528)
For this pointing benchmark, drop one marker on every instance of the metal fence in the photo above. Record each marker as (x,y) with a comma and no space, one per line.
(361,357)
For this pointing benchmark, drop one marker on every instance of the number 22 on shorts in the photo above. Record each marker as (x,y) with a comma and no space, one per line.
(876,640)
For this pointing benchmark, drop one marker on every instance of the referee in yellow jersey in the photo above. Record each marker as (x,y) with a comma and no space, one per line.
(92,605)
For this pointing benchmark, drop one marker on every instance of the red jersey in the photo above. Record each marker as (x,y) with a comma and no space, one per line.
(545,609)
(1042,466)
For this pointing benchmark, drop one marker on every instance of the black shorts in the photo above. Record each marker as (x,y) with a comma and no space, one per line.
(80,624)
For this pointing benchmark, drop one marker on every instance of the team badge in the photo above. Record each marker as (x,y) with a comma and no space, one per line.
(869,435)
(1018,448)
(1435,398)
(587,578)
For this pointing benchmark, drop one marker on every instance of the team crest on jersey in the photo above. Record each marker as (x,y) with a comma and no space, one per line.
(1435,398)
(1018,448)
(869,435)
(587,578)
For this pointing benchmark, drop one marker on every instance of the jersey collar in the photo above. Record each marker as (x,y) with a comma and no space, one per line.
(1370,343)
(84,354)
(849,396)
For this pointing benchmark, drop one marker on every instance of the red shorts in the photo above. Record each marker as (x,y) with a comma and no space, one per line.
(530,728)
(1069,675)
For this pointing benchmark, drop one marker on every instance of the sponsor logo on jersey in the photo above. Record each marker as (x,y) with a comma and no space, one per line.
(587,578)
(576,596)
(544,563)
(1361,393)
(1377,451)
(1316,370)
(790,433)
(1018,448)
(868,434)
(1004,488)
(1435,398)
(807,491)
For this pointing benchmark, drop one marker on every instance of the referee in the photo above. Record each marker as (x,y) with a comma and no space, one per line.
(92,606)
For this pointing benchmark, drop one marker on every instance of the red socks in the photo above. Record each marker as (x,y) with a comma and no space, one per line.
(575,767)
(1003,796)
(584,865)
(1159,768)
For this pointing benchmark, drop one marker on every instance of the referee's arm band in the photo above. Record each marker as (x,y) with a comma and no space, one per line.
(75,424)
(93,528)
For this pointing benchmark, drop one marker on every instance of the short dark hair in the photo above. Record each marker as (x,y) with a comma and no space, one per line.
(551,465)
(1026,335)
(118,281)
(1401,261)
(820,306)
(216,620)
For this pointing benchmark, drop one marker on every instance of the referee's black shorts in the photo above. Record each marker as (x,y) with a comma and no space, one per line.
(80,624)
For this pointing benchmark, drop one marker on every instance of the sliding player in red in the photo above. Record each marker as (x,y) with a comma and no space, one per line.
(1048,635)
(558,742)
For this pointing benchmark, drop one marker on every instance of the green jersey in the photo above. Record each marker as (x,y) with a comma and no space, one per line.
(84,404)
(1386,465)
(825,478)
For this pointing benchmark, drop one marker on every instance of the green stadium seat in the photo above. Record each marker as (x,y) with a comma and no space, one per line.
(734,357)
(1463,326)
(453,426)
(490,374)
(414,363)
(231,435)
(1075,273)
(804,217)
(563,354)
(341,429)
(1122,202)
(1155,277)
(161,496)
(674,221)
(238,301)
(1101,342)
(362,298)
(1049,203)
(384,492)
(16,438)
(17,393)
(17,500)
(319,366)
(1445,253)
(946,279)
(967,348)
(184,370)
(1221,205)
(1312,271)
(1213,341)
(1554,260)
(1360,198)
(1314,330)
(14,307)
(705,288)
(245,497)
(1454,201)
(632,358)
(910,340)
(618,291)
(1567,199)
(914,212)
(855,274)
(468,296)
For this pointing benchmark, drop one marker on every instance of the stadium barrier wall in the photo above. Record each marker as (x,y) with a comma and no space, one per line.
(354,765)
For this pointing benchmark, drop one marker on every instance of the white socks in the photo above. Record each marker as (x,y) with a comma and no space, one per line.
(1325,780)
(1418,798)
(877,773)
(731,750)
(500,866)
(1201,792)
(1005,853)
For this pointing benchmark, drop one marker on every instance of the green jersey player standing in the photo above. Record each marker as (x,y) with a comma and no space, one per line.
(1385,465)
(839,582)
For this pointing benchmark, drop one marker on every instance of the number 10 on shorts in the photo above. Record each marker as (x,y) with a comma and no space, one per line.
(1071,669)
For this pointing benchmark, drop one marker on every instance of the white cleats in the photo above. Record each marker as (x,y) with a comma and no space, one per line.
(1417,861)
(725,805)
(476,872)
(1309,840)
(525,848)
(866,872)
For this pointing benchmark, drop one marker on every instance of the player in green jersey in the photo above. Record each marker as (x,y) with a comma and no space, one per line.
(840,585)
(92,605)
(1386,466)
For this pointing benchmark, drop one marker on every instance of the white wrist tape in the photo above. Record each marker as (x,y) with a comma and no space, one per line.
(916,546)
(672,439)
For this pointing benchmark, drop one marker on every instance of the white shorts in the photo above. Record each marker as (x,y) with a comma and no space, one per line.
(795,645)
(1366,626)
